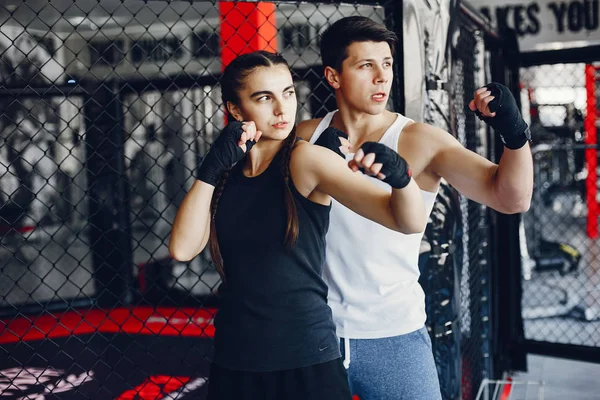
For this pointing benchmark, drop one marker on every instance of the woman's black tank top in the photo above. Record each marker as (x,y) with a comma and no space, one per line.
(274,313)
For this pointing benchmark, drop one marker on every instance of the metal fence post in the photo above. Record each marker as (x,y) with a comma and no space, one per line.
(109,226)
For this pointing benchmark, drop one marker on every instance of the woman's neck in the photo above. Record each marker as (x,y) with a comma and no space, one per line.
(261,155)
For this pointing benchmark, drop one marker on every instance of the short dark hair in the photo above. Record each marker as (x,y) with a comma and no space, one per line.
(336,38)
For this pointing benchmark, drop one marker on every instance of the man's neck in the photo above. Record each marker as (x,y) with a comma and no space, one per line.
(362,127)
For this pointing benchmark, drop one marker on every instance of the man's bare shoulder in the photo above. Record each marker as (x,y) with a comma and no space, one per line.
(423,129)
(420,144)
(425,134)
(305,129)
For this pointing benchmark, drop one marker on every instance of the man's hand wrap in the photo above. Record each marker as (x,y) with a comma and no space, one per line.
(509,124)
(330,138)
(395,168)
(223,154)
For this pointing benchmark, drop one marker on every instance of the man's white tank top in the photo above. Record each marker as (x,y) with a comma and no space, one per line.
(372,271)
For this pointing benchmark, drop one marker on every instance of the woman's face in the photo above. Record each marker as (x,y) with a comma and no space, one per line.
(268,98)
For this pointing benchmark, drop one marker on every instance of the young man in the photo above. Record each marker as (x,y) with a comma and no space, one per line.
(372,273)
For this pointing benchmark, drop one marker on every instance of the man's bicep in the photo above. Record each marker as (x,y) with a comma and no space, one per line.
(468,172)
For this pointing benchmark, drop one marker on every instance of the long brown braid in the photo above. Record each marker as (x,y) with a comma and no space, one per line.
(215,252)
(233,79)
(291,231)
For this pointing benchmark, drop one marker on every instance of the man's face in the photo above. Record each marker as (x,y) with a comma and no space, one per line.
(366,76)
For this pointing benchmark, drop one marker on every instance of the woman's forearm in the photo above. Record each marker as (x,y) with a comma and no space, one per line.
(408,208)
(191,231)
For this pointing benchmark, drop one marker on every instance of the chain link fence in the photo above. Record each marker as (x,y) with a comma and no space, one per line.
(561,283)
(457,280)
(107,108)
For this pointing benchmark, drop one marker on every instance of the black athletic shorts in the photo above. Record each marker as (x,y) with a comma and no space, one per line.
(325,381)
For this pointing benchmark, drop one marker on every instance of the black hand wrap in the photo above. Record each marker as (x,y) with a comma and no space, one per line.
(509,124)
(330,138)
(395,168)
(223,154)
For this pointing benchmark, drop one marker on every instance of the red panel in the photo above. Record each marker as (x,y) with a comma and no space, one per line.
(246,27)
(591,156)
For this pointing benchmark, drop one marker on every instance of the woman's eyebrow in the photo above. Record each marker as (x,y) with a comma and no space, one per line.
(261,93)
(268,92)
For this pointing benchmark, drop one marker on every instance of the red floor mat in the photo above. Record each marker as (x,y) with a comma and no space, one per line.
(139,321)
(139,353)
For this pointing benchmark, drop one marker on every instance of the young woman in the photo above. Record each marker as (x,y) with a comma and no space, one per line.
(263,200)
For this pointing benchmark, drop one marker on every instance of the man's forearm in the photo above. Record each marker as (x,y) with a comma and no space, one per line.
(514,180)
